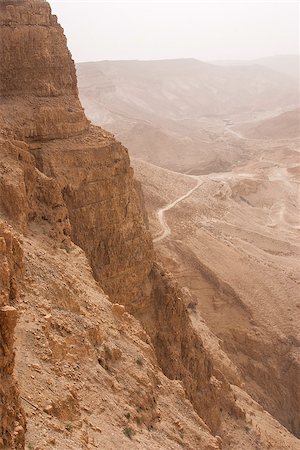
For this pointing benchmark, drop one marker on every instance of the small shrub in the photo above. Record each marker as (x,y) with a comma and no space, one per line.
(192,306)
(127,415)
(139,360)
(139,420)
(69,427)
(107,352)
(30,446)
(129,432)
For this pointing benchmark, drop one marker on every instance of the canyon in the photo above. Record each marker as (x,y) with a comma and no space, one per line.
(222,195)
(102,344)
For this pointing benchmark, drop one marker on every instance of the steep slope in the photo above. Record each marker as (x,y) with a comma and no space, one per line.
(106,216)
(91,375)
(234,245)
(87,371)
(283,126)
(52,184)
(12,423)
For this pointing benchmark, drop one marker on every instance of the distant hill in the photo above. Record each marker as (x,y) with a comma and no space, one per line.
(286,64)
(285,125)
(158,108)
(179,89)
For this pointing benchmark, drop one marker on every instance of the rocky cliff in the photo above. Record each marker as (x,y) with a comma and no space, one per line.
(12,423)
(68,190)
(91,168)
(37,75)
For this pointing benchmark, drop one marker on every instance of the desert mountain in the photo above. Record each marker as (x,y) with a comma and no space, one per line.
(98,349)
(283,126)
(232,240)
(163,110)
(182,89)
(286,64)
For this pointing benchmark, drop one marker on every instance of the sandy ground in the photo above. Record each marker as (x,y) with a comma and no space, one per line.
(221,183)
(232,238)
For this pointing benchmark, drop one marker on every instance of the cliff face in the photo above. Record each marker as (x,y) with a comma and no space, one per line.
(104,210)
(87,371)
(12,423)
(65,183)
(32,22)
(107,219)
(37,75)
(61,171)
(91,168)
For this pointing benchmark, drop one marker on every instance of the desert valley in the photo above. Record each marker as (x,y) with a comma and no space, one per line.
(149,297)
(221,186)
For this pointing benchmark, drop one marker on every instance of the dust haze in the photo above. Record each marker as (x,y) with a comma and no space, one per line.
(236,30)
(149,225)
(214,139)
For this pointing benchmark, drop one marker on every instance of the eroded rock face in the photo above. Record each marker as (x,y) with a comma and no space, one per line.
(37,74)
(12,422)
(105,212)
(108,223)
(31,23)
(27,196)
(92,169)
(62,178)
(95,179)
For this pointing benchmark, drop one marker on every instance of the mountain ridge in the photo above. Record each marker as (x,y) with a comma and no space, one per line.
(105,353)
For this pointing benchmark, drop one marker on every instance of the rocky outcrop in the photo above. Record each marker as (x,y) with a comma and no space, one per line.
(37,80)
(27,196)
(105,213)
(12,422)
(96,185)
(47,71)
(181,353)
(64,182)
(107,221)
(83,356)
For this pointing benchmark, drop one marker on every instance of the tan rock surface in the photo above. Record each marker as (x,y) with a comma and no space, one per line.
(243,280)
(90,374)
(12,420)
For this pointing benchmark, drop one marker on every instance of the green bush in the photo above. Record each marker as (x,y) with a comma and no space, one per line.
(129,432)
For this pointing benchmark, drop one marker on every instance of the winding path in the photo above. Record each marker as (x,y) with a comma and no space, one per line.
(166,231)
(236,133)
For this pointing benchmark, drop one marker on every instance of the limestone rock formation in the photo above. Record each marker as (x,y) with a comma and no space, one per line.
(12,423)
(37,75)
(107,220)
(99,378)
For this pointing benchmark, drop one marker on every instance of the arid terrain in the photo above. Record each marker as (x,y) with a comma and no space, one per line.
(172,113)
(224,213)
(124,329)
(232,239)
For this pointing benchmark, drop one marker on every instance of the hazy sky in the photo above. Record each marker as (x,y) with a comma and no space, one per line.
(206,30)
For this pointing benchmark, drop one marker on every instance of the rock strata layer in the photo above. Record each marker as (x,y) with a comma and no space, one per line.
(12,421)
(66,184)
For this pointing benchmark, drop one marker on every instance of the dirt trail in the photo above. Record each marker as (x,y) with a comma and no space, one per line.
(166,231)
(236,133)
